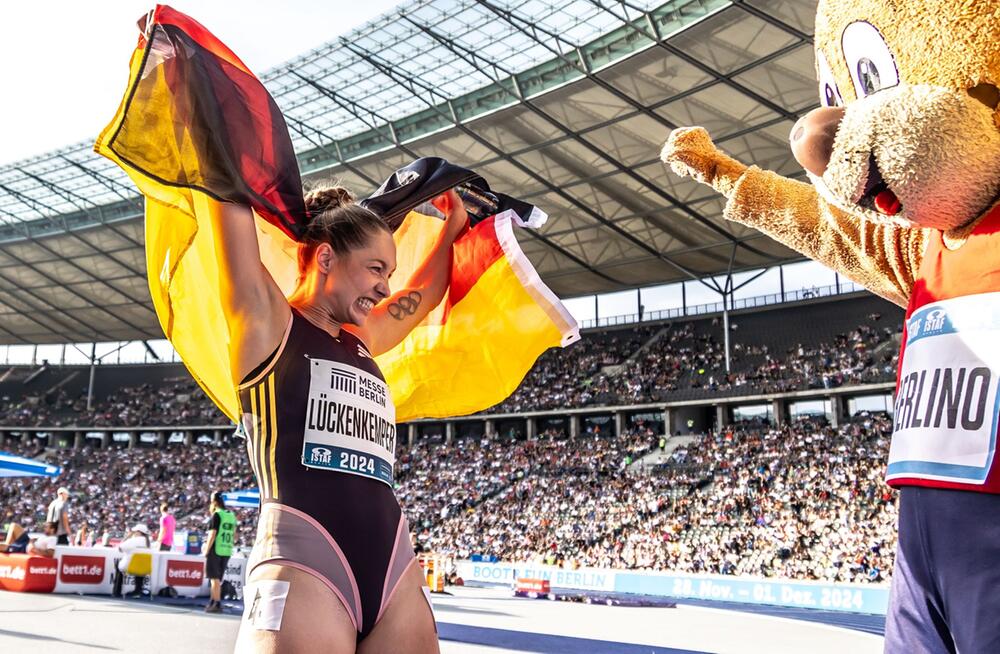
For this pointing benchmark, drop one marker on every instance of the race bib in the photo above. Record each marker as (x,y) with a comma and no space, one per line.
(947,403)
(350,422)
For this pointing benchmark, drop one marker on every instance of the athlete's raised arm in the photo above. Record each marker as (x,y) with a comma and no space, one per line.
(255,309)
(396,316)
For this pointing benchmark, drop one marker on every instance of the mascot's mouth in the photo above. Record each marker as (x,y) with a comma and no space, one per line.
(877,196)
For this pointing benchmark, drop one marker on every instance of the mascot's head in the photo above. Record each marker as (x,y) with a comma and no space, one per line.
(909,130)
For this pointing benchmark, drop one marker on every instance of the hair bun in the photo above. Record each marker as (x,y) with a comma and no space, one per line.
(326,199)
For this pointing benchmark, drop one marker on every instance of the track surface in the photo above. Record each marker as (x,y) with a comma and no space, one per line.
(474,620)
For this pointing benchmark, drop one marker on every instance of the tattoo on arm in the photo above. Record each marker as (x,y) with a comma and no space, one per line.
(405,305)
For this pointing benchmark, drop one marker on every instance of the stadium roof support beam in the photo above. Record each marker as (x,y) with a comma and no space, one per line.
(359,112)
(84,206)
(727,296)
(654,34)
(301,127)
(91,276)
(114,186)
(533,30)
(76,200)
(773,20)
(420,89)
(474,59)
(604,124)
(16,337)
(151,351)
(52,309)
(374,120)
(90,381)
(103,282)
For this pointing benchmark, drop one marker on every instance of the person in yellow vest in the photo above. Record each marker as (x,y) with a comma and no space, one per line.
(218,548)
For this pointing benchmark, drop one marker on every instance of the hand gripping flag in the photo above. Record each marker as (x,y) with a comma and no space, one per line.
(196,124)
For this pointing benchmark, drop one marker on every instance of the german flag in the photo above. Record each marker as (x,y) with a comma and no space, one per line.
(195,124)
(497,318)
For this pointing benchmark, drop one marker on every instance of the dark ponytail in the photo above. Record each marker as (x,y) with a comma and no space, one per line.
(336,220)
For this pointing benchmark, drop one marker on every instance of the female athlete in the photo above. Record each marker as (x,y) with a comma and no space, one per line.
(332,569)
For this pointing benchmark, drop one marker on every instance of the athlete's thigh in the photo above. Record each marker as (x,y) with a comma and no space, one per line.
(407,626)
(314,618)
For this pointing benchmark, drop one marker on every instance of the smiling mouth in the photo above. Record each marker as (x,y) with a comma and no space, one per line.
(365,304)
(877,195)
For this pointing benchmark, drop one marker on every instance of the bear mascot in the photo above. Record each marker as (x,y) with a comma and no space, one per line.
(903,156)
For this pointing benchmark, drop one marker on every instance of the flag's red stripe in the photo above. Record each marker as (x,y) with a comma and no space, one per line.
(166,15)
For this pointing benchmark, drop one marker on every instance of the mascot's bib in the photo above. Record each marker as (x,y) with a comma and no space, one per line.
(350,422)
(947,402)
(947,397)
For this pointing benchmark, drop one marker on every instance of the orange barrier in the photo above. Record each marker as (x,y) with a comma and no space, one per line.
(434,568)
(27,573)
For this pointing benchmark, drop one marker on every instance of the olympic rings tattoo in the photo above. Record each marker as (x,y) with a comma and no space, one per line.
(405,305)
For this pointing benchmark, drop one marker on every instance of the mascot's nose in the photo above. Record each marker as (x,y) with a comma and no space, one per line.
(812,138)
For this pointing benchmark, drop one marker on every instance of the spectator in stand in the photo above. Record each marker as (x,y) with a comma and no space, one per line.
(84,537)
(165,537)
(58,513)
(218,548)
(138,539)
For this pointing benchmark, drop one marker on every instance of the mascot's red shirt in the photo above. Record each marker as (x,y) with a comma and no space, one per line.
(947,395)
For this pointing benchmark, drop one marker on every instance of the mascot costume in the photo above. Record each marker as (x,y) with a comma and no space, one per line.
(904,160)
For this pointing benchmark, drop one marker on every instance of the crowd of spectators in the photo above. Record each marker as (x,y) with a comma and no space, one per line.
(649,363)
(682,362)
(177,401)
(803,501)
(112,489)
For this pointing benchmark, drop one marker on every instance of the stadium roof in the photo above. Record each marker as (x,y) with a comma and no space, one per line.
(565,103)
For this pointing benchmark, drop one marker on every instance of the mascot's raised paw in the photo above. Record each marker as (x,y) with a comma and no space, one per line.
(690,152)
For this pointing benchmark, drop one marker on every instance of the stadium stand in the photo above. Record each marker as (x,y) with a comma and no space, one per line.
(124,396)
(822,345)
(814,345)
(800,499)
(113,489)
(803,501)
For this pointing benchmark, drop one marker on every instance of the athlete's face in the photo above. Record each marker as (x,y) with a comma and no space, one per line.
(360,279)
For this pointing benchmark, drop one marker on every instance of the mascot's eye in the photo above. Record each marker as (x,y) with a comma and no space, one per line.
(869,59)
(829,93)
(868,76)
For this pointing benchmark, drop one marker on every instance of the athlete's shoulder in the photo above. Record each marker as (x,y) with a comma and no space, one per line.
(357,338)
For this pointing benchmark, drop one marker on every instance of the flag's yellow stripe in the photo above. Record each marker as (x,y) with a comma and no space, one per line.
(426,380)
